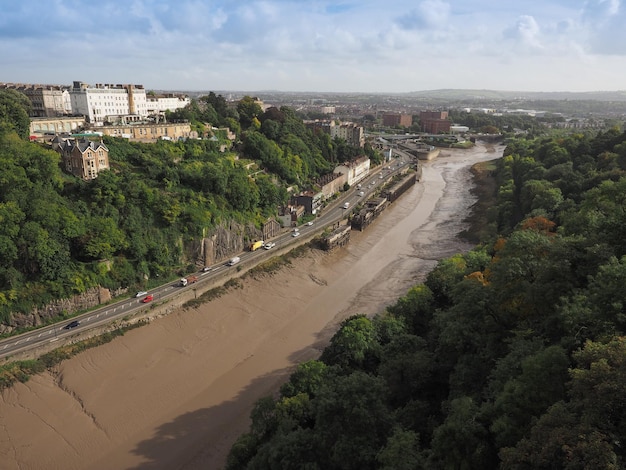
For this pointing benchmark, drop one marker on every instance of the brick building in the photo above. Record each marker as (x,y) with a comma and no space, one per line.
(435,122)
(397,119)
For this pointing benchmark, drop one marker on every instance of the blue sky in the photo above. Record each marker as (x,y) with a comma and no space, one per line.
(317,45)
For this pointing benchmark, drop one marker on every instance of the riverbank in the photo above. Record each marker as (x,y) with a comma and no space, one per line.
(178,392)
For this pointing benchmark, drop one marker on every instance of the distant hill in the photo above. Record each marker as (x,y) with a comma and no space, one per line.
(481,95)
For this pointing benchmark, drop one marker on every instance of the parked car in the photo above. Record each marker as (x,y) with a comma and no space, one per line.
(148,298)
(71,325)
(141,293)
(309,223)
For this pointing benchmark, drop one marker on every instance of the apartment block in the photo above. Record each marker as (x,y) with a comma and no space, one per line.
(109,103)
(435,122)
(166,102)
(397,119)
(46,100)
(352,133)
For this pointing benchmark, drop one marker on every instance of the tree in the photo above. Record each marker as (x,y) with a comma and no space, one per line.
(401,452)
(248,110)
(461,442)
(355,340)
(14,110)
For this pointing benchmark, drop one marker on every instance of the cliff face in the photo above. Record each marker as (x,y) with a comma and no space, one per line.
(58,308)
(226,241)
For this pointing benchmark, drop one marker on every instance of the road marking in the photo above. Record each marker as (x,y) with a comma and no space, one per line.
(54,339)
(88,318)
(5,346)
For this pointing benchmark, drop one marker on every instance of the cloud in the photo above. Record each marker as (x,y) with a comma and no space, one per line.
(525,33)
(429,14)
(603,23)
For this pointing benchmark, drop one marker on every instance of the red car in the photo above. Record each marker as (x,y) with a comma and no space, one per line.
(148,298)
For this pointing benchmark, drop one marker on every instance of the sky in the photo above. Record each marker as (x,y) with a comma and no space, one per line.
(380,46)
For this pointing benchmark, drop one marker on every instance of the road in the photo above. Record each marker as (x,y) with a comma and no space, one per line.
(107,314)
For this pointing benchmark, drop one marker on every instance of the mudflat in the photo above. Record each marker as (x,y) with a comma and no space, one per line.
(178,392)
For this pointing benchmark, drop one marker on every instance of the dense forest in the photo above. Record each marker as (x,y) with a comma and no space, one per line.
(60,236)
(510,356)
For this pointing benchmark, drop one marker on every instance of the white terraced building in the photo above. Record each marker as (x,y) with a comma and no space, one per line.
(109,103)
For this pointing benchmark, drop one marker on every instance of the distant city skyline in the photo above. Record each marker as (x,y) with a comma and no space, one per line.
(391,46)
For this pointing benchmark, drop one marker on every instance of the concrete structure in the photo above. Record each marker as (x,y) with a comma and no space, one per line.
(42,126)
(459,129)
(46,100)
(109,103)
(354,170)
(397,119)
(435,122)
(82,158)
(338,237)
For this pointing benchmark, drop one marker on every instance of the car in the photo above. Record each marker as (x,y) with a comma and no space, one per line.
(269,245)
(206,269)
(71,325)
(309,223)
(295,234)
(361,193)
(381,177)
(141,293)
(148,298)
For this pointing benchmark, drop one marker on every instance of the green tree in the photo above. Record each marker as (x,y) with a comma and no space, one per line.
(14,110)
(248,110)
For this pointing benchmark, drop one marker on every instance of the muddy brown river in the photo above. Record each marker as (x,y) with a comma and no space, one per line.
(177,392)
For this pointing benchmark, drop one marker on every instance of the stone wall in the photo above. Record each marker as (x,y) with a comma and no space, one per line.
(42,315)
(226,241)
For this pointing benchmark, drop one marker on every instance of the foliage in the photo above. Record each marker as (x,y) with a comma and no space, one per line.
(510,356)
(14,111)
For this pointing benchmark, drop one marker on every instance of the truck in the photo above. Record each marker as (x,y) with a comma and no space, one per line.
(185,281)
(256,245)
(234,261)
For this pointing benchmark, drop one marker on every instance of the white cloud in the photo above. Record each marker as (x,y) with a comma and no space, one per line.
(526,33)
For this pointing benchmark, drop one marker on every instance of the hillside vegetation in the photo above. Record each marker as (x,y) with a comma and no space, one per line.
(60,236)
(511,356)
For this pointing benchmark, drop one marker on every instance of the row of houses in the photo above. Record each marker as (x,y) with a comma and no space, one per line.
(98,103)
(312,200)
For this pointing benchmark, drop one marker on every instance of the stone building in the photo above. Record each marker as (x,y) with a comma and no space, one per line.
(82,158)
